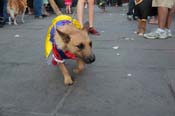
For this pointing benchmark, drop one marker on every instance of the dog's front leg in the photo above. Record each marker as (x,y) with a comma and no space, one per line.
(67,77)
(22,18)
(15,22)
(80,66)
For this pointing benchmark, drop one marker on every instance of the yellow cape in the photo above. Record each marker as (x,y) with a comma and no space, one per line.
(48,44)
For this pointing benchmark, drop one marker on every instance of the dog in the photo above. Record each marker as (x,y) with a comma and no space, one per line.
(68,39)
(14,8)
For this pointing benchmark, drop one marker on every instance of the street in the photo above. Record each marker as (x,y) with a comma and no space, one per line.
(130,77)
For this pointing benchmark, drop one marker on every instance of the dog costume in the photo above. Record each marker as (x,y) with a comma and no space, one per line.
(52,52)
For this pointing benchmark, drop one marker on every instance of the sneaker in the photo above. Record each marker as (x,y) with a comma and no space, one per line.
(169,34)
(156,35)
(129,17)
(93,31)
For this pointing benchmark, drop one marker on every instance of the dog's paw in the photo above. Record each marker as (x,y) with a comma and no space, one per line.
(16,24)
(68,81)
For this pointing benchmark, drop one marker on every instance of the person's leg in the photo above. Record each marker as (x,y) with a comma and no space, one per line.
(69,8)
(45,3)
(80,11)
(170,17)
(5,15)
(169,21)
(91,18)
(30,7)
(38,6)
(154,15)
(91,12)
(1,13)
(160,33)
(130,7)
(130,12)
(119,3)
(162,17)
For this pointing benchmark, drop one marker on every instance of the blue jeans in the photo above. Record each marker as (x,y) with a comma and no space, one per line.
(5,16)
(38,7)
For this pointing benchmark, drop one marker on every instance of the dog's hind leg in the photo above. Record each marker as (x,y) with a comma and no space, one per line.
(67,77)
(80,66)
(22,18)
(10,20)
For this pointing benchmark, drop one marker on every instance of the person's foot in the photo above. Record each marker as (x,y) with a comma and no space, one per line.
(169,34)
(93,31)
(129,17)
(46,14)
(38,17)
(158,34)
(153,21)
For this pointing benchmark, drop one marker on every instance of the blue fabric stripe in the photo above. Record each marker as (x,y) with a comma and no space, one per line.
(59,23)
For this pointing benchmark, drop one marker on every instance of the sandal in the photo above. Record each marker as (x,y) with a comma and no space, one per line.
(93,31)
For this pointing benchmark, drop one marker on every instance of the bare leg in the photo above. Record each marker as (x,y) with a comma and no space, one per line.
(67,10)
(154,20)
(162,17)
(80,66)
(55,7)
(45,10)
(67,77)
(80,11)
(91,12)
(170,17)
(69,7)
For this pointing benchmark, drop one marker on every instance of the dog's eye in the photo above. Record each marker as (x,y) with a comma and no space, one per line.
(80,46)
(90,44)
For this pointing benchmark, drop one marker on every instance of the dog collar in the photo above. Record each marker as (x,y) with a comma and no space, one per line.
(59,55)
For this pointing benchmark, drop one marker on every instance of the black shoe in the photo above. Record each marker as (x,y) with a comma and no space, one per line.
(1,26)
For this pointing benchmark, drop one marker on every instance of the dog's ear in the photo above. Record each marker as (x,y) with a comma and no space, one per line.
(86,26)
(64,36)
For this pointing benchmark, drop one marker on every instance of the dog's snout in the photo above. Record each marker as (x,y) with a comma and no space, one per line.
(90,59)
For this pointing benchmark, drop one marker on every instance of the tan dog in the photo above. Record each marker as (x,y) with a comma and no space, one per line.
(69,38)
(14,8)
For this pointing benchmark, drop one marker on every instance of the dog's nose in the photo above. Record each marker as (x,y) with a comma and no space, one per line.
(90,59)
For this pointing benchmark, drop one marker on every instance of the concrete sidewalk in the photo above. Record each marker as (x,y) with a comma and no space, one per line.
(132,80)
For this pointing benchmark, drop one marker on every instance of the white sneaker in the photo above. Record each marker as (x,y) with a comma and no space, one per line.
(169,34)
(156,34)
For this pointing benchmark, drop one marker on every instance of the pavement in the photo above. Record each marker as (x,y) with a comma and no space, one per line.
(132,76)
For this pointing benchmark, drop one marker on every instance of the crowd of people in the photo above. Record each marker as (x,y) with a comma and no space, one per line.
(162,10)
